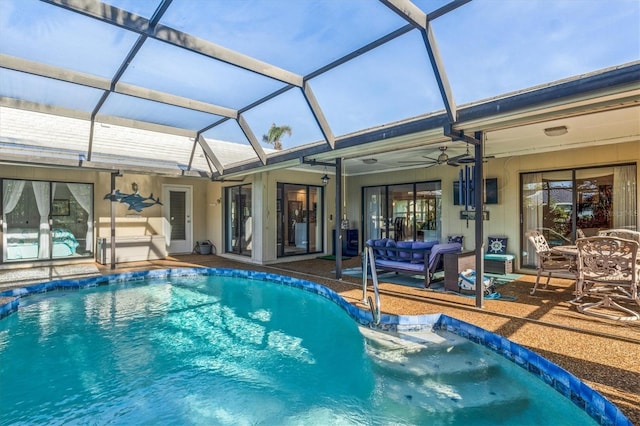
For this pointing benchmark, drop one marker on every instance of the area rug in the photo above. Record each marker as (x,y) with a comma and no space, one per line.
(332,257)
(437,284)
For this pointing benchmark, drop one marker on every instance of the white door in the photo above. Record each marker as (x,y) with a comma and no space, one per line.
(177,213)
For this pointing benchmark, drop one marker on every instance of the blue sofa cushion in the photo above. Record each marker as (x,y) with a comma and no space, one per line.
(404,255)
(440,249)
(421,245)
(417,268)
(391,254)
(379,247)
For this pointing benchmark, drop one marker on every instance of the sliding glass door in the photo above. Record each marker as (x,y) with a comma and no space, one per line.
(239,220)
(72,219)
(558,203)
(44,220)
(375,212)
(300,219)
(408,211)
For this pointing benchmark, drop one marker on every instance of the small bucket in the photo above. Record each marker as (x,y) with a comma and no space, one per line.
(204,247)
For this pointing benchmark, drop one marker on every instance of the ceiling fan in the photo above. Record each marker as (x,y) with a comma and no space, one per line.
(466,158)
(430,161)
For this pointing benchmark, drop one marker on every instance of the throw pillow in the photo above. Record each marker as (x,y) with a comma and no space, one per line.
(497,245)
(456,239)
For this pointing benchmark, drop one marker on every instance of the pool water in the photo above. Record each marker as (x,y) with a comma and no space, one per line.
(228,350)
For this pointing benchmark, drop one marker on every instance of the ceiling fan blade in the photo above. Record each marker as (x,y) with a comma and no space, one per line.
(465,158)
(428,160)
(456,159)
(428,163)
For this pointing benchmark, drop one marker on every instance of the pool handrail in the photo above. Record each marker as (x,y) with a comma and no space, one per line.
(367,264)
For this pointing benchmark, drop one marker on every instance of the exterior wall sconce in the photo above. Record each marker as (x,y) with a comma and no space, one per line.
(555,131)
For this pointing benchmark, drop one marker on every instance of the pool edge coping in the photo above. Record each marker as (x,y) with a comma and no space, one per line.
(582,395)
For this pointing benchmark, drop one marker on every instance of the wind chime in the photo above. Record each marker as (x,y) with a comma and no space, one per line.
(466,190)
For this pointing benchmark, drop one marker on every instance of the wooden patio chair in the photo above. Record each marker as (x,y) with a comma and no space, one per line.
(548,262)
(608,269)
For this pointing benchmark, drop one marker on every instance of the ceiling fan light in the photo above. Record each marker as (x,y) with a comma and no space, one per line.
(556,131)
(442,158)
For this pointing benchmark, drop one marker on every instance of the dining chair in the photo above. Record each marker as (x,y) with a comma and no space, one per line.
(608,270)
(627,234)
(398,228)
(548,262)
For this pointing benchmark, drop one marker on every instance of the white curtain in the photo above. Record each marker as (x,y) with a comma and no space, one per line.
(84,196)
(42,194)
(533,196)
(10,198)
(625,213)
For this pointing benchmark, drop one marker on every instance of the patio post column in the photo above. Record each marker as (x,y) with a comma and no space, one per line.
(114,175)
(337,222)
(479,202)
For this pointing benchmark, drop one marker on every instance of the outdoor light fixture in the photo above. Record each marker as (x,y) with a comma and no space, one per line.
(555,131)
(325,179)
(369,161)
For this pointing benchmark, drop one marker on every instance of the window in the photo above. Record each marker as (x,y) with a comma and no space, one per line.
(44,220)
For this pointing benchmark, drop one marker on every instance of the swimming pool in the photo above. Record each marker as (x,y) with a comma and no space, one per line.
(237,347)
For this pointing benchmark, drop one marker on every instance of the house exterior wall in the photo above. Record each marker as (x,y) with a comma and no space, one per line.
(504,217)
(265,214)
(208,197)
(206,222)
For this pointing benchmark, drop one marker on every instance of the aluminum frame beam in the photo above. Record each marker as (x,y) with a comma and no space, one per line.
(420,20)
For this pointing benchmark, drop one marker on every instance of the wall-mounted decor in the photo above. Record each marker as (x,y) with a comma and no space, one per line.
(60,207)
(135,201)
(471,215)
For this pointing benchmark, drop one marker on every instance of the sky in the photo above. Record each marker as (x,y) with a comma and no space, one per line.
(488,48)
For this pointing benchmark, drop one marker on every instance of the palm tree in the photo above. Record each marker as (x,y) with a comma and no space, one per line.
(275,134)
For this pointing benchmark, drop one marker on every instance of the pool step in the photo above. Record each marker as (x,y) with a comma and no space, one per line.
(490,399)
(430,355)
(441,374)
